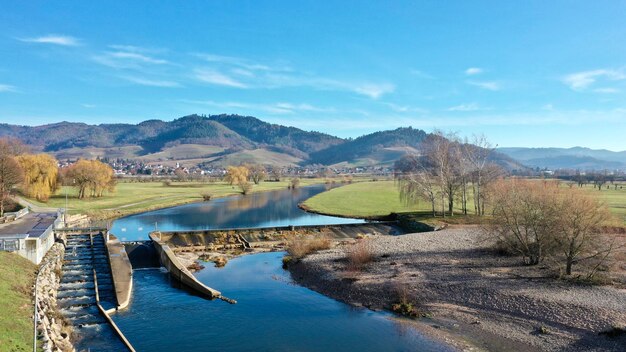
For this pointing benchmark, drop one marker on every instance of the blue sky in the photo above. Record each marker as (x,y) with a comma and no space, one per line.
(524,73)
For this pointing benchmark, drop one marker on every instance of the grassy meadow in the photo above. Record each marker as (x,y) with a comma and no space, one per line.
(367,200)
(375,199)
(135,197)
(17,275)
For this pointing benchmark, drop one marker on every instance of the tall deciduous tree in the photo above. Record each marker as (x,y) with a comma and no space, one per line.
(11,175)
(91,177)
(257,173)
(238,175)
(40,175)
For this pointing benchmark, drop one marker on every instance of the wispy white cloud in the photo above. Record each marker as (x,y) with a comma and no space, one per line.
(136,56)
(404,108)
(606,90)
(466,107)
(279,108)
(55,39)
(4,88)
(217,78)
(374,90)
(88,106)
(245,73)
(582,80)
(151,82)
(488,85)
(129,59)
(474,71)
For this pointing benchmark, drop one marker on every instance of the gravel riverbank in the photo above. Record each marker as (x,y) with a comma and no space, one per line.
(480,299)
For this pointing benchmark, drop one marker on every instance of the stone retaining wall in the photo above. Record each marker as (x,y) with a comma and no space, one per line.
(55,333)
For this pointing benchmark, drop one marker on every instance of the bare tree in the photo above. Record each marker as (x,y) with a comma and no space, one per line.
(441,152)
(580,227)
(257,173)
(477,155)
(11,175)
(415,186)
(525,217)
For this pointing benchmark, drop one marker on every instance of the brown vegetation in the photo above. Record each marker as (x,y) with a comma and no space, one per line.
(238,175)
(298,247)
(11,175)
(91,177)
(358,255)
(541,219)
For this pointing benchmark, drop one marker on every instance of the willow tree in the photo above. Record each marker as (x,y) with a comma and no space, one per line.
(238,175)
(40,175)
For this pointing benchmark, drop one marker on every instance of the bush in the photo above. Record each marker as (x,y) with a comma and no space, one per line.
(299,247)
(404,306)
(207,196)
(294,183)
(359,255)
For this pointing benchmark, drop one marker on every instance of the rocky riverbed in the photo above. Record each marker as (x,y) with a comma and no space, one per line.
(472,294)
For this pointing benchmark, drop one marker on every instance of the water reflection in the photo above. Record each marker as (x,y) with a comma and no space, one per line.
(275,208)
(272,314)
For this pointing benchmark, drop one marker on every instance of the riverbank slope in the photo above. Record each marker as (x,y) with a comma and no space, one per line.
(472,292)
(17,276)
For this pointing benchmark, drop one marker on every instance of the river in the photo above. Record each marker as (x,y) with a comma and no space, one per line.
(272,313)
(263,209)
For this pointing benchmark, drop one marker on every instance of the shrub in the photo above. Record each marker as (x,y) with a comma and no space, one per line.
(404,306)
(294,183)
(207,196)
(359,255)
(299,247)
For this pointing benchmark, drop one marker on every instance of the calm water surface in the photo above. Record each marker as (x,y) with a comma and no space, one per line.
(272,314)
(265,209)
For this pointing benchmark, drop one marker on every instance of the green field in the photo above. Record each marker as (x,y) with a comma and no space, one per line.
(615,199)
(375,199)
(365,199)
(134,197)
(16,309)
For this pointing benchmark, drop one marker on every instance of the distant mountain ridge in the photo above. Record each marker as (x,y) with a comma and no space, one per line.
(221,140)
(568,158)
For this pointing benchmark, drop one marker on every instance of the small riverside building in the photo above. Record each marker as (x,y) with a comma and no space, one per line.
(30,235)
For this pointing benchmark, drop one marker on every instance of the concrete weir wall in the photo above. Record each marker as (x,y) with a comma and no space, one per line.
(121,272)
(177,270)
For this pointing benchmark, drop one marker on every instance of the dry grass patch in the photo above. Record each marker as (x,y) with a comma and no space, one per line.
(300,246)
(359,255)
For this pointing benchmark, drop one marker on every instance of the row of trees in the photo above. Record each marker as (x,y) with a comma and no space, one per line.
(38,175)
(448,169)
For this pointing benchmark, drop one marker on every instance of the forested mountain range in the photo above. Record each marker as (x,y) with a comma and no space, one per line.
(220,139)
(568,158)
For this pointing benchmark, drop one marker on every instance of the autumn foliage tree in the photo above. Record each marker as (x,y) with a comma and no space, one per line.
(91,177)
(238,175)
(40,175)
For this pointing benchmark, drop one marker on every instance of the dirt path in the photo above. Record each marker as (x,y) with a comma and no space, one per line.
(35,208)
